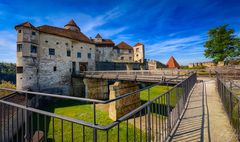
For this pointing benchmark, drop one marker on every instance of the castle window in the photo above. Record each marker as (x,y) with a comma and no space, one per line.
(68,53)
(79,55)
(19,47)
(137,49)
(19,69)
(57,43)
(46,41)
(130,51)
(81,47)
(66,44)
(33,49)
(137,55)
(90,48)
(89,55)
(51,51)
(19,31)
(122,58)
(33,33)
(130,58)
(54,68)
(118,50)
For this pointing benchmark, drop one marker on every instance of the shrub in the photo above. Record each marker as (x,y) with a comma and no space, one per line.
(6,84)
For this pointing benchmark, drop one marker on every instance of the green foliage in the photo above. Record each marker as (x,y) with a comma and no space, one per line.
(8,72)
(222,44)
(184,67)
(7,68)
(198,67)
(6,84)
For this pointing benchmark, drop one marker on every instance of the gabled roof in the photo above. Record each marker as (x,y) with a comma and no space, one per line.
(26,24)
(123,45)
(138,44)
(79,36)
(98,36)
(172,63)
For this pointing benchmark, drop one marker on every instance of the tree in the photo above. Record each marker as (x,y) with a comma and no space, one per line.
(222,44)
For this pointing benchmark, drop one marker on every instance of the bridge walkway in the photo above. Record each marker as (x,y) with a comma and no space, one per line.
(204,118)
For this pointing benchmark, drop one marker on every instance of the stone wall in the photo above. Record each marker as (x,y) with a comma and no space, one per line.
(96,88)
(123,106)
(78,87)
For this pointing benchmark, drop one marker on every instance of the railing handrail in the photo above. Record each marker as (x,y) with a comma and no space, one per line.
(228,88)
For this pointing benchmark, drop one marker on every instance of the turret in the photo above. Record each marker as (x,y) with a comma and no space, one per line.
(27,53)
(98,38)
(72,26)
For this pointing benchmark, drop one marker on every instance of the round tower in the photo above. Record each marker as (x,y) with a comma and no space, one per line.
(27,57)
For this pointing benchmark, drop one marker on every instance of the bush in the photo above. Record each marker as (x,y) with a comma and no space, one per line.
(6,84)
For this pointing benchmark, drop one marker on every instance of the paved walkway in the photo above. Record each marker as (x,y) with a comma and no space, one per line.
(204,118)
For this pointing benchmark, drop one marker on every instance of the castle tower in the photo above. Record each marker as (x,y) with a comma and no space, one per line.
(138,50)
(27,56)
(71,25)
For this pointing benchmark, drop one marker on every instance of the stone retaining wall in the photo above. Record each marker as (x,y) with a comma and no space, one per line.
(96,88)
(123,106)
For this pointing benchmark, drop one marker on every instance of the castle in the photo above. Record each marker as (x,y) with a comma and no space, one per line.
(47,56)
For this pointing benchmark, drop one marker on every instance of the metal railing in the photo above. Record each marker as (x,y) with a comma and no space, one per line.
(231,103)
(152,121)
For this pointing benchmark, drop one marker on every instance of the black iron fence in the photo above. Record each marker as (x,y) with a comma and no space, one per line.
(152,121)
(230,101)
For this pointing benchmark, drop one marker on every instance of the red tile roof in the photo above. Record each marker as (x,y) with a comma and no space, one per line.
(104,41)
(25,24)
(138,44)
(75,35)
(123,45)
(172,63)
(71,23)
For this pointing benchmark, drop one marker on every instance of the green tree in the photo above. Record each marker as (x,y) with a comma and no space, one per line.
(222,44)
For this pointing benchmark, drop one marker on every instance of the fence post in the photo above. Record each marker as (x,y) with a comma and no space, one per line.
(238,122)
(168,114)
(27,137)
(95,122)
(1,124)
(230,106)
(149,119)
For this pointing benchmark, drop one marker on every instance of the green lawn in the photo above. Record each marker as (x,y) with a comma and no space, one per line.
(156,91)
(83,111)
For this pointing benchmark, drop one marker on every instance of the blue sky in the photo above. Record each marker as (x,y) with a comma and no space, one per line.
(166,27)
